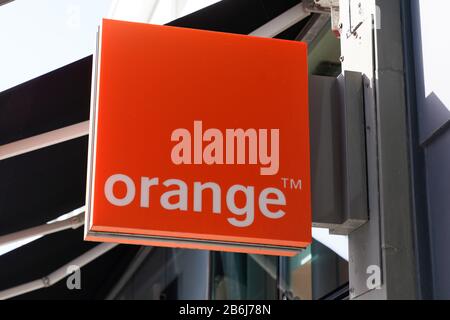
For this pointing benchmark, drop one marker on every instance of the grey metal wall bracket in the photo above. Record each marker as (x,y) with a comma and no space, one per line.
(338,153)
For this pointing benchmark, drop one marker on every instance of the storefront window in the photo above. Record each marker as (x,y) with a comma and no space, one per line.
(243,277)
(166,274)
(296,276)
(312,275)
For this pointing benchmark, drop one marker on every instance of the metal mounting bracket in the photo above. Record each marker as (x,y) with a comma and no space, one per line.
(330,7)
(338,153)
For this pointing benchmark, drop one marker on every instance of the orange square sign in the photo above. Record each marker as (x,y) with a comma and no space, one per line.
(199,140)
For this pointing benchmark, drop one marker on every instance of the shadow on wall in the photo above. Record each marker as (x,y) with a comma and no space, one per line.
(436,118)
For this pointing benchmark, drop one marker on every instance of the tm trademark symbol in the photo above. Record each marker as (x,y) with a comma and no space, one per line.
(293,184)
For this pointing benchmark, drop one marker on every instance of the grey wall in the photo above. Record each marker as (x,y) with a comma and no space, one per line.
(432,66)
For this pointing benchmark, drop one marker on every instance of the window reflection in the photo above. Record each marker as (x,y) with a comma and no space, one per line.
(313,274)
(166,274)
(296,276)
(244,277)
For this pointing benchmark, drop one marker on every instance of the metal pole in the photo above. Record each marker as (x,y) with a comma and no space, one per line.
(58,274)
(282,22)
(43,230)
(44,140)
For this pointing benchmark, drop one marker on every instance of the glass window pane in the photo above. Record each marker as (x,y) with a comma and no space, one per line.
(313,274)
(243,276)
(169,274)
